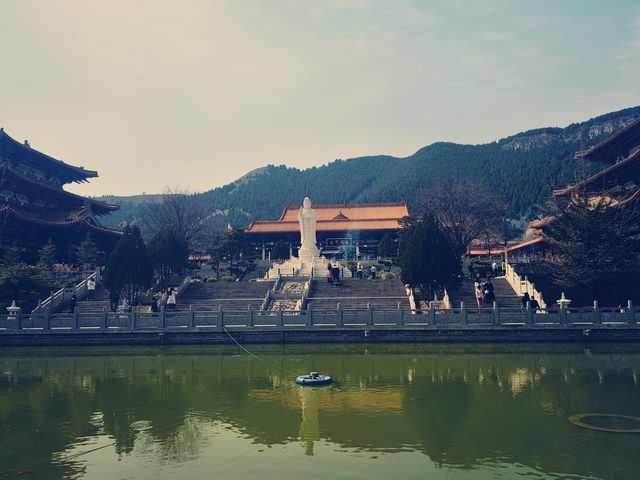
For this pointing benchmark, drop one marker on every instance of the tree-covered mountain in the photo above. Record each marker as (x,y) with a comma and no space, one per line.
(522,168)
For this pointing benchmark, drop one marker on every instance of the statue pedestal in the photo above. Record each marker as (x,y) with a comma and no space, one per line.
(303,266)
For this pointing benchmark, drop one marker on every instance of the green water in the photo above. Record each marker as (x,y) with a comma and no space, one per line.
(428,412)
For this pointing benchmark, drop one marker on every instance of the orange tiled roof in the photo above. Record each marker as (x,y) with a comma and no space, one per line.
(376,216)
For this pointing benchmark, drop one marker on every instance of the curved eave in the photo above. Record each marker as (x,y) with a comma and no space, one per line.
(98,207)
(73,173)
(7,210)
(629,162)
(610,142)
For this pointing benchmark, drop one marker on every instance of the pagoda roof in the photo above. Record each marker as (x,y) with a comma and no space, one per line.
(338,217)
(58,219)
(618,145)
(99,208)
(616,174)
(70,173)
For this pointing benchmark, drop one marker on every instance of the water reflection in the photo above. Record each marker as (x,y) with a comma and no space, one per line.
(463,408)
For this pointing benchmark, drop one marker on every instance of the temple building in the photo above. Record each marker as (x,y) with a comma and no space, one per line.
(35,208)
(342,230)
(620,181)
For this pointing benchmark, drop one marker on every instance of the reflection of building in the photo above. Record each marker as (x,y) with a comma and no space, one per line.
(341,229)
(34,207)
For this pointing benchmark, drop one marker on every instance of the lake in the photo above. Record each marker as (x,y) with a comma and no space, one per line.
(395,411)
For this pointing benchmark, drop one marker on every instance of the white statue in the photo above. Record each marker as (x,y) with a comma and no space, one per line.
(307,218)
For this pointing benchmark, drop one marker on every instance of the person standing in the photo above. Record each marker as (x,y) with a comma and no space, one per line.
(172,299)
(477,288)
(72,303)
(373,272)
(359,269)
(489,296)
(525,299)
(91,288)
(113,303)
(535,306)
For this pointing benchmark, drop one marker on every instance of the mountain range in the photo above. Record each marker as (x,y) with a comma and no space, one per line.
(522,169)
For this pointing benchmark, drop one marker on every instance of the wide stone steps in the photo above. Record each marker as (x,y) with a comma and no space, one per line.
(232,296)
(506,297)
(354,294)
(96,304)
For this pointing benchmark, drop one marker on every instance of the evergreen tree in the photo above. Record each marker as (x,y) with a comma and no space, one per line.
(280,250)
(168,255)
(426,257)
(129,270)
(387,247)
(11,256)
(47,255)
(25,284)
(87,254)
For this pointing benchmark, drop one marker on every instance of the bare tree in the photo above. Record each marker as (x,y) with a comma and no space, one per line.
(179,211)
(464,210)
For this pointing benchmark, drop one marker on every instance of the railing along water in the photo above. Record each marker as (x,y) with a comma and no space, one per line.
(401,318)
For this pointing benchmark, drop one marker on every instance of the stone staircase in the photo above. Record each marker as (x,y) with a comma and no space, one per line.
(505,296)
(232,296)
(288,294)
(354,294)
(95,304)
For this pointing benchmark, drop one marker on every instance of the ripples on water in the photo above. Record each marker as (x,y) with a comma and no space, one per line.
(472,412)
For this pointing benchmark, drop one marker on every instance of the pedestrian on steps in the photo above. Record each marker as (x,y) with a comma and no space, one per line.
(477,288)
(91,288)
(72,303)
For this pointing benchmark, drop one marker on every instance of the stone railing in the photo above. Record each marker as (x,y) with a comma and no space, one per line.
(595,317)
(57,299)
(412,299)
(446,301)
(302,303)
(521,285)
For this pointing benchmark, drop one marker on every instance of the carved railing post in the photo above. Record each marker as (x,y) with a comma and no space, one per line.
(597,314)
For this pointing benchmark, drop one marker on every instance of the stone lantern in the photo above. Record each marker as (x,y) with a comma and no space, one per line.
(13,309)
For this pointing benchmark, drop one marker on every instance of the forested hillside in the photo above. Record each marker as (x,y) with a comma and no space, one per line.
(523,169)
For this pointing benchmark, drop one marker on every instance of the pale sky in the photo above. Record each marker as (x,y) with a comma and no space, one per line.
(197,93)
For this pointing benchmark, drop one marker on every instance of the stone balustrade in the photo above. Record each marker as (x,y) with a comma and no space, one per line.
(521,285)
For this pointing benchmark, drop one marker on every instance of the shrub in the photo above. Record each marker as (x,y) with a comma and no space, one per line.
(226,278)
(388,276)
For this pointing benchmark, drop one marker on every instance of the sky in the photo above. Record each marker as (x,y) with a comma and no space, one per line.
(190,93)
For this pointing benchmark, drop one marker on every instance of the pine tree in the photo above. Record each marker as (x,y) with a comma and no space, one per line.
(129,270)
(47,255)
(426,257)
(168,255)
(387,248)
(87,254)
(280,250)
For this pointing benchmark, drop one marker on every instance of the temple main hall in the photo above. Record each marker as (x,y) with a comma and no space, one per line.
(342,230)
(34,207)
